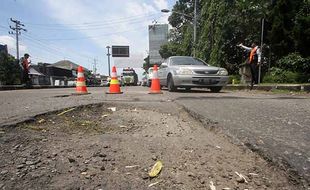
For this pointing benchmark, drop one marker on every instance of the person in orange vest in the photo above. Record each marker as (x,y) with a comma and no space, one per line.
(253,60)
(25,64)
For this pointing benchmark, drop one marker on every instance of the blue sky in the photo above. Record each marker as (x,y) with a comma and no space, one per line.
(80,30)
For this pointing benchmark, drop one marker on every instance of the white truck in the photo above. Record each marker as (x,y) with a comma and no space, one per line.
(130,77)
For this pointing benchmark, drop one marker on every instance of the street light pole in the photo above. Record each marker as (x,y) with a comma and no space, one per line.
(194,23)
(108,47)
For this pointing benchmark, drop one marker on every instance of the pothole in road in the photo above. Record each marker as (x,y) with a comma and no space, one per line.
(92,119)
(114,146)
(62,96)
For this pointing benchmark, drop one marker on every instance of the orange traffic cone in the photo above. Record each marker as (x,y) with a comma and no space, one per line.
(114,84)
(155,87)
(80,82)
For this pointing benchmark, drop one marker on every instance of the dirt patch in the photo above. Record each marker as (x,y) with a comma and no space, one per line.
(115,146)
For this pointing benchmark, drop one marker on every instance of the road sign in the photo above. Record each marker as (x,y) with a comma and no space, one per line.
(120,51)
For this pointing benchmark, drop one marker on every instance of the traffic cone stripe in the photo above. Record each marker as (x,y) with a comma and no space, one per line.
(80,83)
(80,75)
(113,75)
(114,81)
(155,75)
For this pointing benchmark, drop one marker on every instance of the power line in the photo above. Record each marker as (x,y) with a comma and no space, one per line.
(45,48)
(56,49)
(42,46)
(98,27)
(124,19)
(4,27)
(92,37)
(39,45)
(71,50)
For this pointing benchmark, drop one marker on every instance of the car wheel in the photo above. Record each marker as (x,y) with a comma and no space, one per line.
(170,84)
(187,89)
(216,89)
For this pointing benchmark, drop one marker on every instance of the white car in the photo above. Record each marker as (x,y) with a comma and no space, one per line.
(189,72)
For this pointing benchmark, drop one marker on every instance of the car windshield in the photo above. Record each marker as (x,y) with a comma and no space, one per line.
(128,74)
(186,61)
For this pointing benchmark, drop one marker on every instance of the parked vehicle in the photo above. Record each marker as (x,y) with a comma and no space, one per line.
(189,72)
(105,83)
(144,80)
(130,77)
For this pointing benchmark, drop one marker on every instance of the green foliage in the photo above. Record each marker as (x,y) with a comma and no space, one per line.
(301,31)
(167,50)
(289,20)
(234,78)
(10,71)
(295,63)
(277,75)
(146,64)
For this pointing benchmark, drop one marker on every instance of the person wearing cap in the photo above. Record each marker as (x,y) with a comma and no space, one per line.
(25,64)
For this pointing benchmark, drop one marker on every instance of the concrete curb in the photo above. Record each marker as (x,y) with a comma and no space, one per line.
(263,87)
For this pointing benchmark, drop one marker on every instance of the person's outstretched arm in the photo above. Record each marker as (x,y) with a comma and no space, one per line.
(245,47)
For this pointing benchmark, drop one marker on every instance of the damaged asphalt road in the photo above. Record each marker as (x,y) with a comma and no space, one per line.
(275,126)
(278,128)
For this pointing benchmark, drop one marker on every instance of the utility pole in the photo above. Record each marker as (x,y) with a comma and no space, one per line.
(16,30)
(108,54)
(261,49)
(95,66)
(195,27)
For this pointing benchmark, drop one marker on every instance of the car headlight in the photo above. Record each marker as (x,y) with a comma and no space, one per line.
(222,71)
(184,71)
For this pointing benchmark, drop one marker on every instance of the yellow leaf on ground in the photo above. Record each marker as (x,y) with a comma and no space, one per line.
(156,169)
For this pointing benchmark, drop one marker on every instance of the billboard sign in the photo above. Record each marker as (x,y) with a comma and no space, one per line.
(120,51)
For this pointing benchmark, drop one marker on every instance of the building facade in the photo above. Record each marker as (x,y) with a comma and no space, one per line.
(4,49)
(158,36)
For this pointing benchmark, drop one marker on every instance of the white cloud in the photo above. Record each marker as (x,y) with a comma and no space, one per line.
(11,43)
(119,40)
(161,4)
(135,8)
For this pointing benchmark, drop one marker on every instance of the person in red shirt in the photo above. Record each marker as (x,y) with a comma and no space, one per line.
(25,63)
